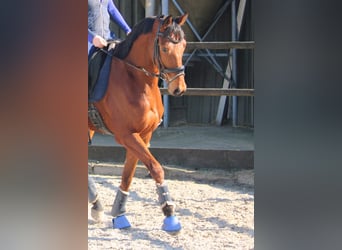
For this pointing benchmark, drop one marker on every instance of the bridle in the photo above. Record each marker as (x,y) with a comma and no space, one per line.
(163,71)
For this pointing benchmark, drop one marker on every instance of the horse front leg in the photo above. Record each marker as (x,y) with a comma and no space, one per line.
(120,220)
(138,147)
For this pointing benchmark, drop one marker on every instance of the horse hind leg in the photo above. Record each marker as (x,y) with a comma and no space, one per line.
(97,211)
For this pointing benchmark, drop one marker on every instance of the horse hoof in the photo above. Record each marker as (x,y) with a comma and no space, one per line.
(171,225)
(97,215)
(97,212)
(121,222)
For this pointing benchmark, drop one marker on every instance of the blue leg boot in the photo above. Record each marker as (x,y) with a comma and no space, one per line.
(170,224)
(120,220)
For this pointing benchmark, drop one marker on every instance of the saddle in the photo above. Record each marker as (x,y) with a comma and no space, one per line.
(99,62)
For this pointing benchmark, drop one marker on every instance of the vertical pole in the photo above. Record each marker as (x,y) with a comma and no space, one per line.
(149,7)
(165,11)
(234,72)
(135,12)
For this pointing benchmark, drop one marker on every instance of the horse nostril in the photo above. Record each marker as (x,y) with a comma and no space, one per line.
(178,92)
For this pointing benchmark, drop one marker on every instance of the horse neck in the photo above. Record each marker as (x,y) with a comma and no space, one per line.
(141,55)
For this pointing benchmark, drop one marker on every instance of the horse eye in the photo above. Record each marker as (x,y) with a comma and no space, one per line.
(164,50)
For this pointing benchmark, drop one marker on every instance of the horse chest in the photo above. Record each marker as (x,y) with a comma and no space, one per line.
(147,112)
(152,114)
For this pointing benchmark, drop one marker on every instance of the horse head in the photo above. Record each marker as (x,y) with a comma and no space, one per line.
(169,48)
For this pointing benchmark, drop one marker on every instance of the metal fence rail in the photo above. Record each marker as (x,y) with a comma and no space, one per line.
(220,45)
(213,92)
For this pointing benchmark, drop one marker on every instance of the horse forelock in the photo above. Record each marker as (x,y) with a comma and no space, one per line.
(174,33)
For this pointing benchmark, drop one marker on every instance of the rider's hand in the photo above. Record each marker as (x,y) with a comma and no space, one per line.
(99,41)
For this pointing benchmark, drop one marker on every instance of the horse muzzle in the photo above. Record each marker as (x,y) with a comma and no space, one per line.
(178,92)
(177,87)
(176,83)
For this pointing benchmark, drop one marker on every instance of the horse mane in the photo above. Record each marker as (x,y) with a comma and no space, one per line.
(143,27)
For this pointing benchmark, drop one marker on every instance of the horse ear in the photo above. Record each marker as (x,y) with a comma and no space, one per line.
(181,19)
(166,23)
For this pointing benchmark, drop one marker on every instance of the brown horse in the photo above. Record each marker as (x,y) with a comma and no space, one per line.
(132,107)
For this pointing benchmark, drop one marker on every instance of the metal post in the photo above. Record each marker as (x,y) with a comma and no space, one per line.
(149,7)
(165,11)
(234,72)
(135,11)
